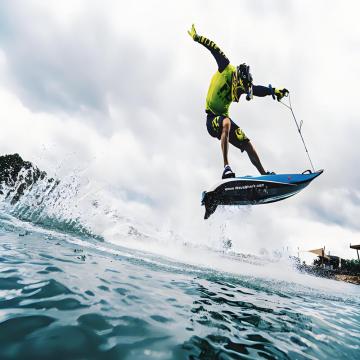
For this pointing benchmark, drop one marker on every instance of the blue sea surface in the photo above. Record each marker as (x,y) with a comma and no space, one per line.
(66,297)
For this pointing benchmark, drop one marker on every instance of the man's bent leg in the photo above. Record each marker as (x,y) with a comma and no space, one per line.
(254,158)
(226,125)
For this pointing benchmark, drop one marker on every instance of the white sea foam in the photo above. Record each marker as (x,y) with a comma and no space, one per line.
(77,206)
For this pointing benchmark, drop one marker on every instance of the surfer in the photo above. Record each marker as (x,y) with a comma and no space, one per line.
(226,86)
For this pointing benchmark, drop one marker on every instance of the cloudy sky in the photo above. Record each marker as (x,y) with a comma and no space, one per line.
(118,88)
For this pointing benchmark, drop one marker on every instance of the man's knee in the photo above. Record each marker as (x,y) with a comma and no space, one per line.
(226,125)
(247,146)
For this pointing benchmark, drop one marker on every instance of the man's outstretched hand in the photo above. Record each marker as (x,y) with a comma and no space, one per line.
(280,93)
(192,32)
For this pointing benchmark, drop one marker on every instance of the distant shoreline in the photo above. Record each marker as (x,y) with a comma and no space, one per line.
(338,274)
(352,279)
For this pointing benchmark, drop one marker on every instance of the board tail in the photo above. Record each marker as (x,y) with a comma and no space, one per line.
(210,204)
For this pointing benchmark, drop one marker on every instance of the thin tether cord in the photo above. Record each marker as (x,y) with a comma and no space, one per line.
(299,130)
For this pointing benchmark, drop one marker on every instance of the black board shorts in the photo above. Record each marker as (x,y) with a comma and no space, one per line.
(237,137)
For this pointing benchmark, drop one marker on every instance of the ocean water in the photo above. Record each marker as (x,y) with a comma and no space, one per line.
(72,296)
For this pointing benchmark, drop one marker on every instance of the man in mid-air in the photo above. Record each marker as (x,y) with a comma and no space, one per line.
(226,86)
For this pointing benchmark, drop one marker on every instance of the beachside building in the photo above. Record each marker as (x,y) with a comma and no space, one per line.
(326,261)
(357,248)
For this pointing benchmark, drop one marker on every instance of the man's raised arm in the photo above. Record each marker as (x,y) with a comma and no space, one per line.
(221,59)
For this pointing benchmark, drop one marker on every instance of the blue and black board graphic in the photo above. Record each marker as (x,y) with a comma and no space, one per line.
(254,190)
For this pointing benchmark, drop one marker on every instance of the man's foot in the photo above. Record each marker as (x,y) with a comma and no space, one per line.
(228,173)
(269,173)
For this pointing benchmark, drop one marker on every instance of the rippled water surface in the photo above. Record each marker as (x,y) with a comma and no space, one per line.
(65,300)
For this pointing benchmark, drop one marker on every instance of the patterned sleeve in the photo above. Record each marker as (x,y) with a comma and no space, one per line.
(221,59)
(259,90)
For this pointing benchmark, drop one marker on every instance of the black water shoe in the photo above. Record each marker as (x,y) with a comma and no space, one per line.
(228,173)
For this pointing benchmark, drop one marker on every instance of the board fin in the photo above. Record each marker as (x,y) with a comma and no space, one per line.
(210,204)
